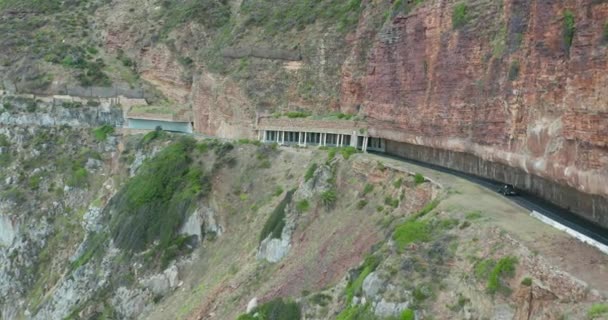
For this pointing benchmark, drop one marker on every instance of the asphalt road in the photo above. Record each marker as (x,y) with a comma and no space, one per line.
(525,200)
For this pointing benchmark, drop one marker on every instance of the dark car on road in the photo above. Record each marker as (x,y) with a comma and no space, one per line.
(507,190)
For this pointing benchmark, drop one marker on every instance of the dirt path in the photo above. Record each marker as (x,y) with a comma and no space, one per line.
(563,251)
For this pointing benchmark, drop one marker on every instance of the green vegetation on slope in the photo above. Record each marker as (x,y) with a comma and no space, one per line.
(494,273)
(354,286)
(283,16)
(568,28)
(153,205)
(277,309)
(411,231)
(276,221)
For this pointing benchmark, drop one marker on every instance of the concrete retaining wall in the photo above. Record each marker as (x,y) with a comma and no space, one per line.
(591,207)
(144,124)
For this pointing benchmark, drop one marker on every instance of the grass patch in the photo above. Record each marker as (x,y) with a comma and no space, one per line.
(474,215)
(321,299)
(597,310)
(276,221)
(460,16)
(419,179)
(411,231)
(102,133)
(302,206)
(347,152)
(310,172)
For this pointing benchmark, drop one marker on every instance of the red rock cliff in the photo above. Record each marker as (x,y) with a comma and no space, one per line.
(505,86)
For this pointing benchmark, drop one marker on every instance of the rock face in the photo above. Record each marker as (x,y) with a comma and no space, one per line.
(505,86)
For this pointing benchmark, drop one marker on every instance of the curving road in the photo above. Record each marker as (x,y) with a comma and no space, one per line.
(524,199)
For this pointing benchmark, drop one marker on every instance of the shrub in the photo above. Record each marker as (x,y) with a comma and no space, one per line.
(460,15)
(78,177)
(514,70)
(368,188)
(302,206)
(526,282)
(346,152)
(102,133)
(321,299)
(411,231)
(310,172)
(276,221)
(361,204)
(328,198)
(448,223)
(389,201)
(397,183)
(278,190)
(597,310)
(605,33)
(569,28)
(419,178)
(331,154)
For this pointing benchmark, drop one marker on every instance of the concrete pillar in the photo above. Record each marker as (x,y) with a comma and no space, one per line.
(323,139)
(339,140)
(282,137)
(353,139)
(364,147)
(305,138)
(277,136)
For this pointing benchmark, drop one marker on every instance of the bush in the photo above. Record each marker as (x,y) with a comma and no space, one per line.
(356,312)
(302,206)
(526,282)
(78,177)
(368,188)
(310,172)
(597,310)
(460,15)
(419,179)
(346,152)
(102,133)
(474,215)
(411,231)
(277,191)
(397,183)
(605,33)
(276,221)
(389,201)
(4,141)
(569,28)
(328,198)
(361,204)
(321,299)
